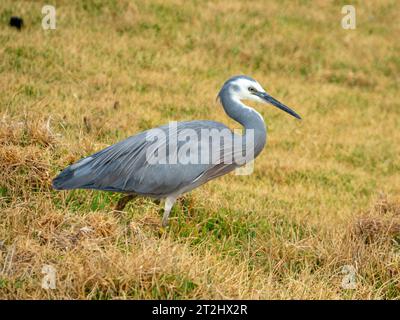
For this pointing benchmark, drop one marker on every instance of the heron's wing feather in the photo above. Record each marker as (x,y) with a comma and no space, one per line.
(230,159)
(125,166)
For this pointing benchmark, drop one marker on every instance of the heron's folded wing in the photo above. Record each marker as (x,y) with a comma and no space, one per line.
(125,166)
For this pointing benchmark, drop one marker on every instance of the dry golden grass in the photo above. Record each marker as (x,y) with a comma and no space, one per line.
(324,194)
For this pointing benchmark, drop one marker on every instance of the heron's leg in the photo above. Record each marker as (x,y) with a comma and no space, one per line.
(123,201)
(169,202)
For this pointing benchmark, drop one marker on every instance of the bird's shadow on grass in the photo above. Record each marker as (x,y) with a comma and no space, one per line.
(190,218)
(79,201)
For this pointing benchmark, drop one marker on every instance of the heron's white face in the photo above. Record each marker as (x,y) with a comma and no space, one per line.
(244,89)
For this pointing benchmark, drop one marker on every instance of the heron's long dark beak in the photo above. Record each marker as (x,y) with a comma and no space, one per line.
(265,96)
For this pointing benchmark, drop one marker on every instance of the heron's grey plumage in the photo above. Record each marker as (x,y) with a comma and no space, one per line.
(124,166)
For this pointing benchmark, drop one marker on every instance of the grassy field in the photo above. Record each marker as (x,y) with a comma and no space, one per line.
(324,193)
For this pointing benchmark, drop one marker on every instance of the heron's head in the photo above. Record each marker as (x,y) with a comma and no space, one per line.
(246,88)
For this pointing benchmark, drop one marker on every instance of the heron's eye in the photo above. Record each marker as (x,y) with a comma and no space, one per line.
(252,90)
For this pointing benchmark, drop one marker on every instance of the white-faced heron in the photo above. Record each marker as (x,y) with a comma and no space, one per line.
(159,163)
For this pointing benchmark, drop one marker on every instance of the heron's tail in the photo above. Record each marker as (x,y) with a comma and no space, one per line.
(61,181)
(75,176)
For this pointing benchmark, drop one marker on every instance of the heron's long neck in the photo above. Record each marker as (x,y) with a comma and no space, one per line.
(248,118)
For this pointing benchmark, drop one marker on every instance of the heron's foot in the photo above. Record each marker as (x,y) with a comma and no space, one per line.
(124,201)
(164,223)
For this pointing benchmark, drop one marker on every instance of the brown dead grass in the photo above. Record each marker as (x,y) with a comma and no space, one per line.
(324,193)
(380,224)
